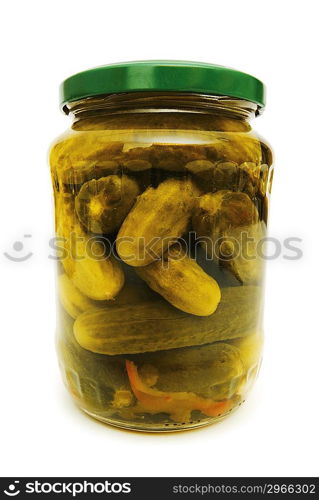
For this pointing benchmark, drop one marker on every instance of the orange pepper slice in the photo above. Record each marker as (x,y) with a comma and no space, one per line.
(176,403)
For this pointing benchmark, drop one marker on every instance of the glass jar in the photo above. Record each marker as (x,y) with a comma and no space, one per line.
(161,198)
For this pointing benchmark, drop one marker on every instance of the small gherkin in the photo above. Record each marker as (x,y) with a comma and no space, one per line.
(102,205)
(229,228)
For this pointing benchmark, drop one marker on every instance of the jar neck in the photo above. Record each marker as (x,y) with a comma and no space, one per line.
(160,102)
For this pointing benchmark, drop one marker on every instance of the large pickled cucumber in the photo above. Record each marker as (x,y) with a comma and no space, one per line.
(181,281)
(158,218)
(103,204)
(212,371)
(227,225)
(159,326)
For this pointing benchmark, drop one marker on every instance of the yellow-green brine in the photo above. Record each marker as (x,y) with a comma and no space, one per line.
(161,192)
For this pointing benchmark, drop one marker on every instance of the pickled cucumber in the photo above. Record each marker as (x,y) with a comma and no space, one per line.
(158,326)
(158,218)
(98,279)
(97,275)
(73,301)
(103,204)
(93,379)
(181,281)
(227,224)
(250,349)
(213,371)
(178,405)
(222,175)
(72,178)
(216,213)
(76,148)
(247,263)
(238,147)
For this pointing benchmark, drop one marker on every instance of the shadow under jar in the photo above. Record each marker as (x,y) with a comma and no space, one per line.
(161,197)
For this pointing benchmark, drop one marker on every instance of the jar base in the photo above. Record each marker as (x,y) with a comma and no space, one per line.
(158,428)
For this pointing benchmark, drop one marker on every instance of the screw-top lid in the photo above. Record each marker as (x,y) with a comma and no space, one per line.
(174,76)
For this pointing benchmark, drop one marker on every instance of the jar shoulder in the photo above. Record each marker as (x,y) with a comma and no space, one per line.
(156,138)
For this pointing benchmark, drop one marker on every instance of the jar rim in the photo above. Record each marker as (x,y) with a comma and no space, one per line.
(170,76)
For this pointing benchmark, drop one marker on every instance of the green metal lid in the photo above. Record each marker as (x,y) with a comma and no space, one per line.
(174,76)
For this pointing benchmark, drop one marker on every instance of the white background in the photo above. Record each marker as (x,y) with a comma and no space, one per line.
(43,42)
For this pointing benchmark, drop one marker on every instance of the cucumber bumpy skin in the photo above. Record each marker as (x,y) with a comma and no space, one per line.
(97,277)
(182,282)
(212,371)
(103,204)
(159,217)
(159,326)
(228,226)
